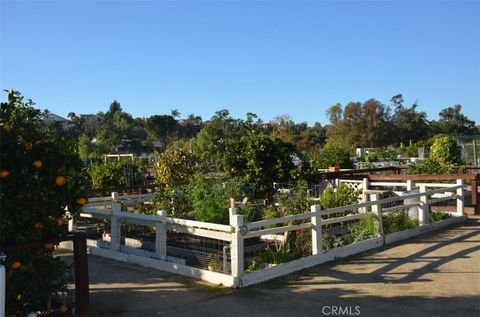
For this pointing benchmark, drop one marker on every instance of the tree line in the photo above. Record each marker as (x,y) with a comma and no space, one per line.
(357,124)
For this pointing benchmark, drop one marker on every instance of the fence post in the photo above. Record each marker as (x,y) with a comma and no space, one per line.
(377,210)
(317,245)
(365,185)
(460,199)
(161,236)
(115,227)
(232,211)
(236,249)
(2,290)
(80,259)
(410,184)
(424,209)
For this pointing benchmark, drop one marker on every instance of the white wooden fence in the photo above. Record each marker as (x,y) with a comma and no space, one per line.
(237,231)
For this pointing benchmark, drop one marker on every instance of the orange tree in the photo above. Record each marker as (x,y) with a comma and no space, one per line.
(40,175)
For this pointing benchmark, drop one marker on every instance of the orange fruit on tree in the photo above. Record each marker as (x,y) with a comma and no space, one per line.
(37,164)
(38,226)
(6,127)
(4,174)
(28,146)
(81,201)
(15,265)
(60,180)
(60,221)
(63,309)
(49,246)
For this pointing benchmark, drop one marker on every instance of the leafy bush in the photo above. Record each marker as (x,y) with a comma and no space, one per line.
(210,197)
(115,174)
(343,195)
(398,221)
(445,151)
(439,215)
(175,167)
(41,174)
(176,201)
(362,230)
(444,158)
(332,156)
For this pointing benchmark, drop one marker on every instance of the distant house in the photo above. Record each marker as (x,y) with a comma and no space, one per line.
(51,117)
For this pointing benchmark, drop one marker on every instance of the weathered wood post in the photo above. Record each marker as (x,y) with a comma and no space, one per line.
(115,233)
(80,260)
(2,289)
(161,236)
(424,209)
(236,247)
(377,210)
(460,199)
(317,245)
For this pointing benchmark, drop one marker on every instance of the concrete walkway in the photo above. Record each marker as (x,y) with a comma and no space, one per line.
(433,275)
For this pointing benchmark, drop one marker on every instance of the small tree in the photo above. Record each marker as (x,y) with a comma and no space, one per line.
(332,156)
(41,175)
(444,158)
(445,150)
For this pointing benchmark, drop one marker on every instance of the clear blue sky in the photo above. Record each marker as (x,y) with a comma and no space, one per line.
(267,57)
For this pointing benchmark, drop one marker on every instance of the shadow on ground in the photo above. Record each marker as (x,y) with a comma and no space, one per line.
(437,274)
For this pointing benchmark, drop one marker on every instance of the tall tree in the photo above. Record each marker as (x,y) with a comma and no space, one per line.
(453,121)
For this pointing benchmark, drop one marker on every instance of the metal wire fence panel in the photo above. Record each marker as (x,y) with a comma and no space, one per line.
(269,250)
(200,252)
(349,231)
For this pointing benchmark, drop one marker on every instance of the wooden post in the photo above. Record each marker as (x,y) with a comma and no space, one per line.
(236,249)
(424,209)
(80,259)
(161,236)
(377,210)
(115,233)
(460,197)
(2,290)
(474,183)
(317,245)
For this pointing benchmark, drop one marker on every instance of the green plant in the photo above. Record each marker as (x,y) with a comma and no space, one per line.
(278,254)
(398,221)
(214,262)
(332,156)
(41,175)
(343,195)
(362,230)
(115,174)
(439,215)
(445,151)
(176,201)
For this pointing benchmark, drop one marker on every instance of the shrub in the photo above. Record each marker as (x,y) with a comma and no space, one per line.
(444,158)
(439,215)
(210,198)
(115,174)
(332,156)
(398,221)
(41,175)
(343,195)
